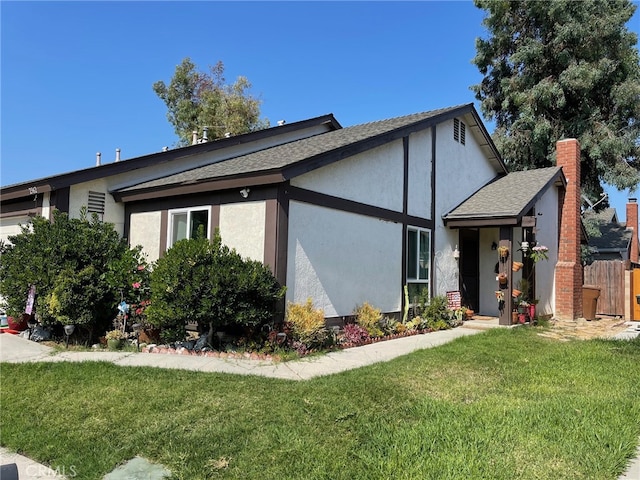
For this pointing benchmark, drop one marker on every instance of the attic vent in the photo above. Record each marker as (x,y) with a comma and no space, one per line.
(96,203)
(459,131)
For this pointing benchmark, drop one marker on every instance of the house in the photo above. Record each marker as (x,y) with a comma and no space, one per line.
(346,215)
(616,241)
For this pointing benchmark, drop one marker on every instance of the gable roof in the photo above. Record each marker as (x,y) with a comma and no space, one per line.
(67,179)
(505,200)
(282,162)
(613,238)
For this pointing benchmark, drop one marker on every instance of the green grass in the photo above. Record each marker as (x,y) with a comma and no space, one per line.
(506,404)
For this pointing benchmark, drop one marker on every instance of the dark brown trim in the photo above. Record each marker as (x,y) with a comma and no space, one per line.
(282,235)
(21,207)
(201,199)
(28,189)
(434,145)
(342,204)
(164,224)
(29,212)
(405,210)
(211,186)
(59,199)
(271,234)
(214,221)
(483,222)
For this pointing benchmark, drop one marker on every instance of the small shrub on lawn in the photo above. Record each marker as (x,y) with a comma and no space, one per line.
(307,326)
(369,318)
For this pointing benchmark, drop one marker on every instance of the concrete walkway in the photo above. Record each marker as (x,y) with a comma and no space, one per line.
(14,349)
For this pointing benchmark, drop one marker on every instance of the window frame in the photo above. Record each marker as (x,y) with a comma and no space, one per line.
(189,211)
(417,280)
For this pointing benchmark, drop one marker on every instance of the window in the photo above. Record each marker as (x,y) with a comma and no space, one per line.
(188,223)
(459,131)
(418,260)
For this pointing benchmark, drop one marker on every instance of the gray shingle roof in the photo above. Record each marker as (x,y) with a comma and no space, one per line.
(509,196)
(613,237)
(281,156)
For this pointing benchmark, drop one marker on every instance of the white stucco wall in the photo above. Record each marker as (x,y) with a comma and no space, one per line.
(341,260)
(547,235)
(145,231)
(374,177)
(419,188)
(79,197)
(461,170)
(11,226)
(242,227)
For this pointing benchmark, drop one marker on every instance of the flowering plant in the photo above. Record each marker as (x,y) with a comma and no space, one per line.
(539,252)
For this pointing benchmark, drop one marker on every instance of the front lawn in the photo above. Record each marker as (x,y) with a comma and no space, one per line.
(501,405)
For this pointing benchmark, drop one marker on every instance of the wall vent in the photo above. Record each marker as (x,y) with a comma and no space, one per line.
(459,131)
(96,203)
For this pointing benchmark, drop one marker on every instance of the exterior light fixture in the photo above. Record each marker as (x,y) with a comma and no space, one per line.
(68,331)
(456,253)
(245,192)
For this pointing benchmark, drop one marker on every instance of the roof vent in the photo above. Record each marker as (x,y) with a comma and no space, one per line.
(281,122)
(117,154)
(194,137)
(227,135)
(205,134)
(165,149)
(98,162)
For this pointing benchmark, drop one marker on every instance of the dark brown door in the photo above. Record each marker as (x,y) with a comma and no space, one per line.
(469,268)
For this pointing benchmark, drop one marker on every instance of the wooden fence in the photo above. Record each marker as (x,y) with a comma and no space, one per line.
(609,276)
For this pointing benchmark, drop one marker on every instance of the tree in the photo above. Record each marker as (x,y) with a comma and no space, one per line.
(563,69)
(80,269)
(197,99)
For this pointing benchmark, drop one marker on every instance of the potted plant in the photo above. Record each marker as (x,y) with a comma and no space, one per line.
(503,251)
(115,339)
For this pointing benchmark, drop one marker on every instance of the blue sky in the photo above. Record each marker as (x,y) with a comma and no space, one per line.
(77,76)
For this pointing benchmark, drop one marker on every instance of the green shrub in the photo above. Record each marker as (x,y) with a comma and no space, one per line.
(75,265)
(436,312)
(369,318)
(203,281)
(307,325)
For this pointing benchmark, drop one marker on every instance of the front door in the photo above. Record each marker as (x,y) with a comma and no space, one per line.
(470,268)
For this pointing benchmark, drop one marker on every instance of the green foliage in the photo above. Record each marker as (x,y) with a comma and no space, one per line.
(75,264)
(563,69)
(369,317)
(196,99)
(203,281)
(307,324)
(436,313)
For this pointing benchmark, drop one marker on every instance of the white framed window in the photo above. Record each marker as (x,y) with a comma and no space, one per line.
(418,260)
(188,223)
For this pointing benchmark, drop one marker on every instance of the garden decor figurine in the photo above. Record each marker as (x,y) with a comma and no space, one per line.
(502,280)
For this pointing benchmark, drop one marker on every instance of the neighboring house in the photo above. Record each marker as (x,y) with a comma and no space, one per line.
(344,215)
(615,239)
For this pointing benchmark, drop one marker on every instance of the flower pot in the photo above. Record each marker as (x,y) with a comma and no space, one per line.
(516,293)
(514,318)
(114,344)
(522,318)
(502,279)
(532,312)
(18,325)
(516,266)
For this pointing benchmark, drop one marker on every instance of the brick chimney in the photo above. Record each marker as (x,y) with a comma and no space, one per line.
(569,266)
(632,223)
